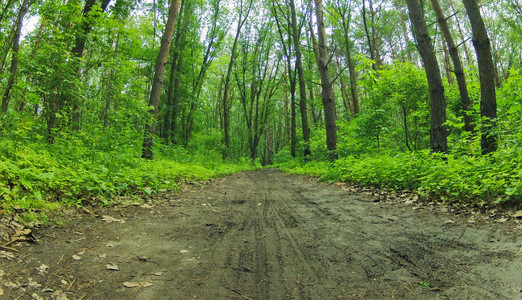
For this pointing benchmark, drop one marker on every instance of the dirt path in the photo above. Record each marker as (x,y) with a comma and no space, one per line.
(268,235)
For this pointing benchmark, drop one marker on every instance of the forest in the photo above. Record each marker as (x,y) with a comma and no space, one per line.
(109,98)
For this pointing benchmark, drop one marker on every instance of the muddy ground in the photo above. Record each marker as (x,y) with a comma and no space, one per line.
(268,235)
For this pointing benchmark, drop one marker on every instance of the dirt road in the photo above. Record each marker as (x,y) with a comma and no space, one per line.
(267,235)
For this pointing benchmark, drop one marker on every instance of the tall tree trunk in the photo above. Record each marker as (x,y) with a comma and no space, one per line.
(176,49)
(345,21)
(438,132)
(243,16)
(326,83)
(302,82)
(14,61)
(159,75)
(457,65)
(488,99)
(461,33)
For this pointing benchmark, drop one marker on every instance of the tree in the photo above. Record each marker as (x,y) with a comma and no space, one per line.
(438,132)
(326,83)
(159,75)
(344,13)
(457,64)
(244,11)
(302,84)
(14,61)
(488,99)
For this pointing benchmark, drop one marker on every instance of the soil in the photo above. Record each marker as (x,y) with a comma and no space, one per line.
(268,235)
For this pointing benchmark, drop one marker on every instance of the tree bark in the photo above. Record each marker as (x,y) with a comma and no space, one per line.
(488,99)
(243,16)
(14,61)
(159,75)
(326,83)
(457,65)
(345,21)
(438,132)
(302,82)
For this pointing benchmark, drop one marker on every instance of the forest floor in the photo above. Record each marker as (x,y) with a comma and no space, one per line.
(268,235)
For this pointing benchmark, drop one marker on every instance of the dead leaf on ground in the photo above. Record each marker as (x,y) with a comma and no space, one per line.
(36,297)
(59,295)
(42,269)
(12,285)
(110,244)
(102,255)
(2,273)
(128,284)
(110,219)
(518,215)
(7,255)
(448,222)
(183,251)
(158,273)
(501,220)
(76,257)
(112,267)
(33,284)
(147,206)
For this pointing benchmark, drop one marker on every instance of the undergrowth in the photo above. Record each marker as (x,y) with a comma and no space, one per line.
(37,178)
(478,180)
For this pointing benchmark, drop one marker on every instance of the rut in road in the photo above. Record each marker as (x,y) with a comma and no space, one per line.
(268,235)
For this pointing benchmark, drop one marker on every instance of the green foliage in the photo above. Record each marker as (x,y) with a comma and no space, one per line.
(36,177)
(472,179)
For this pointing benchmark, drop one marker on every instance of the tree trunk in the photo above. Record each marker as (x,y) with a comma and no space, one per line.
(326,83)
(488,99)
(302,83)
(14,61)
(159,75)
(438,133)
(457,65)
(345,21)
(243,16)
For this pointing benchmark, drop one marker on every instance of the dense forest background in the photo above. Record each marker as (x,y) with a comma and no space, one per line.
(105,98)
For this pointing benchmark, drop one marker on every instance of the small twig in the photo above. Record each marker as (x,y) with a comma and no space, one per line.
(409,289)
(8,248)
(240,294)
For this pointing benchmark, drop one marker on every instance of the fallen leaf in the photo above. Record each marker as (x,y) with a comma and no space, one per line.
(33,284)
(147,206)
(8,255)
(518,215)
(128,284)
(502,220)
(12,285)
(42,269)
(183,251)
(158,273)
(36,297)
(110,244)
(2,273)
(59,295)
(112,267)
(110,219)
(447,222)
(76,257)
(259,204)
(81,253)
(102,255)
